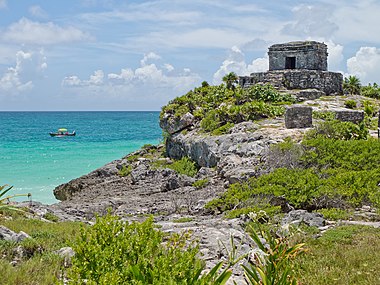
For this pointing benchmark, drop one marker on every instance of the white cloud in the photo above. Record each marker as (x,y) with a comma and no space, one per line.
(335,56)
(312,21)
(145,81)
(26,31)
(235,62)
(72,80)
(357,21)
(29,66)
(168,67)
(12,81)
(38,12)
(149,56)
(97,78)
(365,64)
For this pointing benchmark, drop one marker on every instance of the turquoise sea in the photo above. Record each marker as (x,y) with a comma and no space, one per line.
(33,162)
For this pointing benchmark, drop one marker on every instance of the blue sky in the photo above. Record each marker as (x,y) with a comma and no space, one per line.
(137,55)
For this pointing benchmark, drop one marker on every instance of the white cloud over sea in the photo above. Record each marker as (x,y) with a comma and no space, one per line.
(19,78)
(149,80)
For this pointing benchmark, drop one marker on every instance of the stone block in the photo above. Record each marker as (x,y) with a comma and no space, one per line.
(353,116)
(298,117)
(308,94)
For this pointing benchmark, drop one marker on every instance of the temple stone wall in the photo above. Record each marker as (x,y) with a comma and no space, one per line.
(298,66)
(308,55)
(326,81)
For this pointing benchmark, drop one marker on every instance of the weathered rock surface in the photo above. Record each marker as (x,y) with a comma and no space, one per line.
(172,124)
(8,235)
(346,115)
(236,155)
(214,235)
(297,217)
(298,117)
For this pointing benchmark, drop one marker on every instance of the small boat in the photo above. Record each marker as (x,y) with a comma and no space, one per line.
(62,132)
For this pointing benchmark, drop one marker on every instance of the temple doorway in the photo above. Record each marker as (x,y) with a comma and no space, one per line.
(290,62)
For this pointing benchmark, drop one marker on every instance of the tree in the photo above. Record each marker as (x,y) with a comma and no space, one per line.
(230,79)
(352,85)
(205,84)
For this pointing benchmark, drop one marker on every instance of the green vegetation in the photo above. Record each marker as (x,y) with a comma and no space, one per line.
(132,158)
(230,79)
(39,265)
(351,85)
(183,166)
(183,220)
(337,130)
(271,263)
(201,183)
(115,252)
(135,251)
(324,172)
(125,170)
(335,214)
(323,115)
(50,217)
(351,104)
(342,256)
(372,91)
(4,189)
(219,107)
(369,108)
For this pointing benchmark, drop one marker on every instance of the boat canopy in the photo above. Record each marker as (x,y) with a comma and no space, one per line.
(62,130)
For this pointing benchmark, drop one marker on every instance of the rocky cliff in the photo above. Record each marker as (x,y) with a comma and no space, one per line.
(143,183)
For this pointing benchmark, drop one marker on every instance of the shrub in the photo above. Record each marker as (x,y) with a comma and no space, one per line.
(223,129)
(334,214)
(271,261)
(351,104)
(324,115)
(51,217)
(184,166)
(201,183)
(217,106)
(338,130)
(330,173)
(132,158)
(113,252)
(369,108)
(125,170)
(372,91)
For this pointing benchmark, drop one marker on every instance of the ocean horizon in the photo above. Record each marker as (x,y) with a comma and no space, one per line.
(34,162)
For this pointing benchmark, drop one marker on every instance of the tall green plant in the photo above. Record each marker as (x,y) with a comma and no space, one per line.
(4,189)
(352,85)
(271,264)
(230,79)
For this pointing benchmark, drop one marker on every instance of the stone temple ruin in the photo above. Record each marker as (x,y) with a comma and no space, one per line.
(299,68)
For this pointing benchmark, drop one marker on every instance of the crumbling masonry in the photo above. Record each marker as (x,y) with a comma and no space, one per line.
(299,67)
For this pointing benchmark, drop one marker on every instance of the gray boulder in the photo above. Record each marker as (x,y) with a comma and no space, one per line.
(172,124)
(8,235)
(296,217)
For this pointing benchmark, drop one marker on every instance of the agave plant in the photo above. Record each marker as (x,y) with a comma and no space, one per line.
(270,263)
(4,189)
